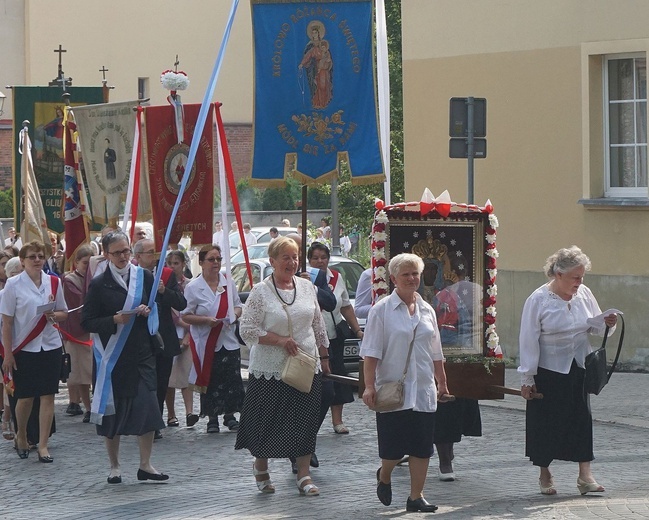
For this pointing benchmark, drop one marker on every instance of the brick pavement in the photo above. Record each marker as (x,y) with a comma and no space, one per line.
(209,480)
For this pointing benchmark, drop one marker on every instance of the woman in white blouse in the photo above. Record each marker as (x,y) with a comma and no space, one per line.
(281,316)
(32,344)
(553,346)
(213,305)
(391,326)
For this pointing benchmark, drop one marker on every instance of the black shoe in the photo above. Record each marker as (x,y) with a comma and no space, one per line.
(383,491)
(213,427)
(293,465)
(74,409)
(191,419)
(117,479)
(157,435)
(86,417)
(232,424)
(45,458)
(420,505)
(314,462)
(145,475)
(23,454)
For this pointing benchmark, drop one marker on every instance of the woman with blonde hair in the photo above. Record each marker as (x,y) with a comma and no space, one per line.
(282,316)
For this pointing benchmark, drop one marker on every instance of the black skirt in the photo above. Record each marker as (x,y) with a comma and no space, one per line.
(37,373)
(225,393)
(455,419)
(277,420)
(343,394)
(405,432)
(133,415)
(560,425)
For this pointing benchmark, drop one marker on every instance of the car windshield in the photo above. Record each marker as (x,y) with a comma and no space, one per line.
(351,272)
(255,251)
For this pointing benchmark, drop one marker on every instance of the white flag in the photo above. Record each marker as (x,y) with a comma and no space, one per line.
(34,224)
(106,136)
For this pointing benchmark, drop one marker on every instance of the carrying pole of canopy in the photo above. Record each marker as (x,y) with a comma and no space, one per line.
(303,245)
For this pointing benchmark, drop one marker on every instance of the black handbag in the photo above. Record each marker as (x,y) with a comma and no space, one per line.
(66,360)
(343,330)
(596,376)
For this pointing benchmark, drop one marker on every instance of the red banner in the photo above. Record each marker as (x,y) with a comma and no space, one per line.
(165,166)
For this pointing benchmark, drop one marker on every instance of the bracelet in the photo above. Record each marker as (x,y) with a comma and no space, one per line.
(324,357)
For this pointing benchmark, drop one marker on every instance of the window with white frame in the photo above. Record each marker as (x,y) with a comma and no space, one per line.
(625,87)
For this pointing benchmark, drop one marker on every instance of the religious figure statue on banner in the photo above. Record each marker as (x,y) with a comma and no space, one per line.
(109,160)
(318,65)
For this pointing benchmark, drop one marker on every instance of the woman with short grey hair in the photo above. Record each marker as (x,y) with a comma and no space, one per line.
(553,346)
(394,324)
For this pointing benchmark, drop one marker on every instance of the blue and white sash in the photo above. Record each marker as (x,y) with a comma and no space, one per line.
(103,401)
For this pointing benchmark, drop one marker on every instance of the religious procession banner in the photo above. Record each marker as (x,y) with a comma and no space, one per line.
(315,95)
(43,107)
(106,135)
(165,161)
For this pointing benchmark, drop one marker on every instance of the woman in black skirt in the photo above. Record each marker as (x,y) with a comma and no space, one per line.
(553,347)
(278,421)
(124,401)
(393,325)
(319,256)
(33,362)
(213,306)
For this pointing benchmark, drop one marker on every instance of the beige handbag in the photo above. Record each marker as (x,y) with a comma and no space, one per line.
(298,370)
(391,396)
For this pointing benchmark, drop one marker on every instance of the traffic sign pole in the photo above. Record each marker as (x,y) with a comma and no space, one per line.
(470,102)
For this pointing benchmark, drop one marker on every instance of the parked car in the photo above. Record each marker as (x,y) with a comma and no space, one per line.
(349,269)
(262,234)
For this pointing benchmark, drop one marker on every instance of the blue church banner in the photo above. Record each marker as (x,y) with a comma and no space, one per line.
(315,102)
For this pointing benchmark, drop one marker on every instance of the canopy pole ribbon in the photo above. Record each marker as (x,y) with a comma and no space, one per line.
(198,131)
(133,193)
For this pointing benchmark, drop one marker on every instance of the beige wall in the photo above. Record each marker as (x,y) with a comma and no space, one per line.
(530,60)
(12,35)
(143,43)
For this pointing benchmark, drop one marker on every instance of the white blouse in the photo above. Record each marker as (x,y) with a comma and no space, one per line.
(20,299)
(388,334)
(342,300)
(200,301)
(554,331)
(264,313)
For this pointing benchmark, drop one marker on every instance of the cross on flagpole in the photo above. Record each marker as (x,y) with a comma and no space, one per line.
(60,78)
(103,71)
(176,63)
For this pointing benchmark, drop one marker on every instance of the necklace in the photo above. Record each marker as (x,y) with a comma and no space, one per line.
(280,296)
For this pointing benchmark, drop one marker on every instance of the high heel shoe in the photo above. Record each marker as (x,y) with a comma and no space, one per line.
(265,486)
(589,487)
(550,490)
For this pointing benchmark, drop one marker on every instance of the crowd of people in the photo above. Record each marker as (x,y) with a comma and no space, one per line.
(98,313)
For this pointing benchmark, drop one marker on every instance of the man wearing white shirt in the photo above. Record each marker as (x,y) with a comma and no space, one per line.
(248,235)
(217,237)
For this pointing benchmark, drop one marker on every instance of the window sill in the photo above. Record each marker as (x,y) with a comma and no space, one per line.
(615,203)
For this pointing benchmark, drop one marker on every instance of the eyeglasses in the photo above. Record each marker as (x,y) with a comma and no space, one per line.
(152,252)
(123,252)
(214,259)
(33,258)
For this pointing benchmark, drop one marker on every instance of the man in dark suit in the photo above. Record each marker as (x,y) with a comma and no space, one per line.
(169,297)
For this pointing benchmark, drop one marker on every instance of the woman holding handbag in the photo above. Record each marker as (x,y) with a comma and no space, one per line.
(401,330)
(282,319)
(34,360)
(553,346)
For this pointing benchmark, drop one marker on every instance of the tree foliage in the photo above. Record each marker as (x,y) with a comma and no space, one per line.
(6,203)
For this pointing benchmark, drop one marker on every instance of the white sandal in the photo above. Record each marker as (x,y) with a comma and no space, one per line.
(309,490)
(265,486)
(341,428)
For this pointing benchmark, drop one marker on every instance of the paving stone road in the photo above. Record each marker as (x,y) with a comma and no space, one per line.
(209,480)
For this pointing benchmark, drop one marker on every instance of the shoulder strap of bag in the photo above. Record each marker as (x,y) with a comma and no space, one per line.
(412,342)
(619,347)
